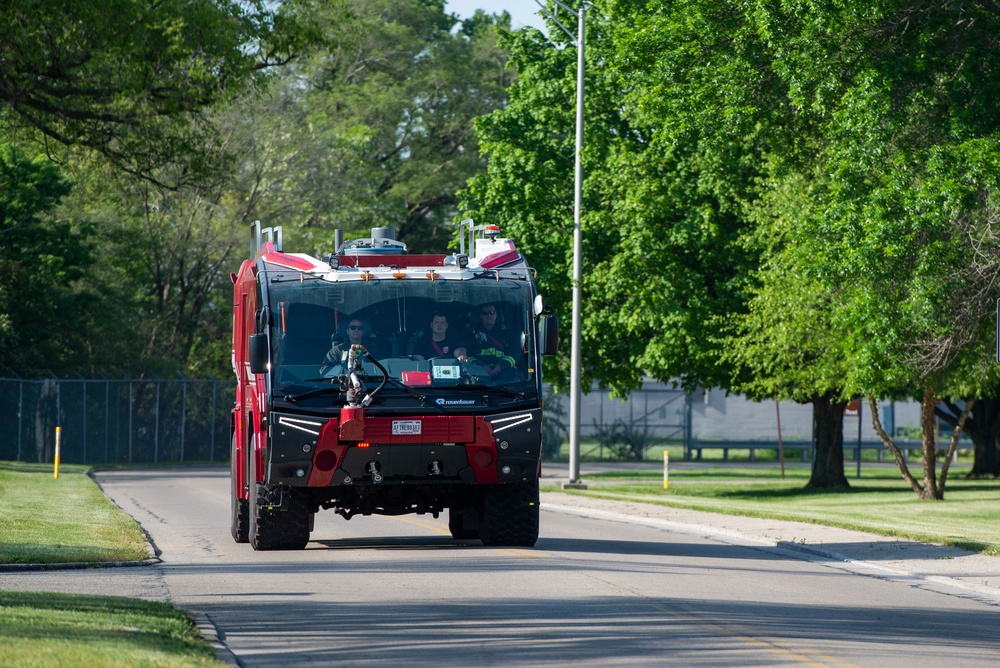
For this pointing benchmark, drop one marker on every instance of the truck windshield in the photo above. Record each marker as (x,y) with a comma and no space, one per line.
(432,337)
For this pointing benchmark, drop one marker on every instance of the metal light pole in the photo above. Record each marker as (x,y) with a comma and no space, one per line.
(574,378)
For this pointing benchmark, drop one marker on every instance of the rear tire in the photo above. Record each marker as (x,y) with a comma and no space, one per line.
(273,527)
(510,515)
(240,507)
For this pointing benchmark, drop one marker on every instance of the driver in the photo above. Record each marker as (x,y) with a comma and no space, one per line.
(438,343)
(338,353)
(492,345)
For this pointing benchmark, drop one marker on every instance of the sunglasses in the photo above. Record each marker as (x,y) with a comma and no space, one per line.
(488,313)
(356,327)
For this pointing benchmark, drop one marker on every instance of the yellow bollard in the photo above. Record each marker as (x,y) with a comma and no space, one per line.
(58,432)
(666,469)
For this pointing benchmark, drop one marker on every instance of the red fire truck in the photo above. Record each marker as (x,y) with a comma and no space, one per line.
(335,409)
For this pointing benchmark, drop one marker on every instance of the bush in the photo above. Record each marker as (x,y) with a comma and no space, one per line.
(623,439)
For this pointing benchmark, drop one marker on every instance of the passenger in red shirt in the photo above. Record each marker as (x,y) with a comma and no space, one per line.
(438,343)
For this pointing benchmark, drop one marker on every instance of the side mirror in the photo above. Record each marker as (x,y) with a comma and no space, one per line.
(540,308)
(258,353)
(548,332)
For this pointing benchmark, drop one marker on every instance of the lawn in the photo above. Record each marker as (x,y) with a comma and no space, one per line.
(48,520)
(64,519)
(46,629)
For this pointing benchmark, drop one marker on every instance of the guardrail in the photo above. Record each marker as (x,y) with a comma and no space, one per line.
(693,449)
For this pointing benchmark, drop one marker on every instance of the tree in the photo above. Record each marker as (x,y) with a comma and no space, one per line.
(377,121)
(128,80)
(665,175)
(42,261)
(789,344)
(528,186)
(162,273)
(306,153)
(904,107)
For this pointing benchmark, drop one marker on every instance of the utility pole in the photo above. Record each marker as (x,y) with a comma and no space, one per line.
(574,378)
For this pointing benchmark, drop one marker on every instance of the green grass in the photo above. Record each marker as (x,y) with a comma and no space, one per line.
(45,629)
(66,519)
(879,502)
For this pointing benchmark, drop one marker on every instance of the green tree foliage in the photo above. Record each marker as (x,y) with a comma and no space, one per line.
(374,126)
(370,124)
(905,110)
(528,186)
(128,79)
(163,263)
(815,182)
(44,308)
(789,344)
(665,175)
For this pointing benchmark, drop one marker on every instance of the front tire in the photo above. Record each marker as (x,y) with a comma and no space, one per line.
(279,515)
(510,515)
(240,508)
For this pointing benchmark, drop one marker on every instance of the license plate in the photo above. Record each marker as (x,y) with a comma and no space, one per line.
(400,427)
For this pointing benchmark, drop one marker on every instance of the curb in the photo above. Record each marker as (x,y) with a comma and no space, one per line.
(79,565)
(209,632)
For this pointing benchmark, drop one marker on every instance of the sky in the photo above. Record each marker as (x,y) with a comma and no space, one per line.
(522,12)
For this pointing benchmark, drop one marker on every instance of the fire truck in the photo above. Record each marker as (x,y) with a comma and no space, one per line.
(335,411)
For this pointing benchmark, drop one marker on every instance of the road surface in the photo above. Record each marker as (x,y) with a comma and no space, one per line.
(593,592)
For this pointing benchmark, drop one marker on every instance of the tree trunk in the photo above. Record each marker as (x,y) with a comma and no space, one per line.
(953,445)
(828,464)
(987,458)
(983,427)
(929,444)
(896,453)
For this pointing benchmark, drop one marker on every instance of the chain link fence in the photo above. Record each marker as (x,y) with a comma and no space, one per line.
(140,421)
(636,427)
(115,421)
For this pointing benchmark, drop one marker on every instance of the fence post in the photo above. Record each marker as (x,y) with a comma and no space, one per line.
(130,400)
(211,451)
(84,418)
(156,429)
(645,422)
(107,410)
(20,416)
(688,427)
(56,458)
(183,409)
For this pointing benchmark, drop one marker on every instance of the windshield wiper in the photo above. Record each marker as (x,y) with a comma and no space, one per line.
(311,393)
(339,388)
(422,398)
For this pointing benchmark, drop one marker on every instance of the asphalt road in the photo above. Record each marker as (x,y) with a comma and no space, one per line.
(594,591)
